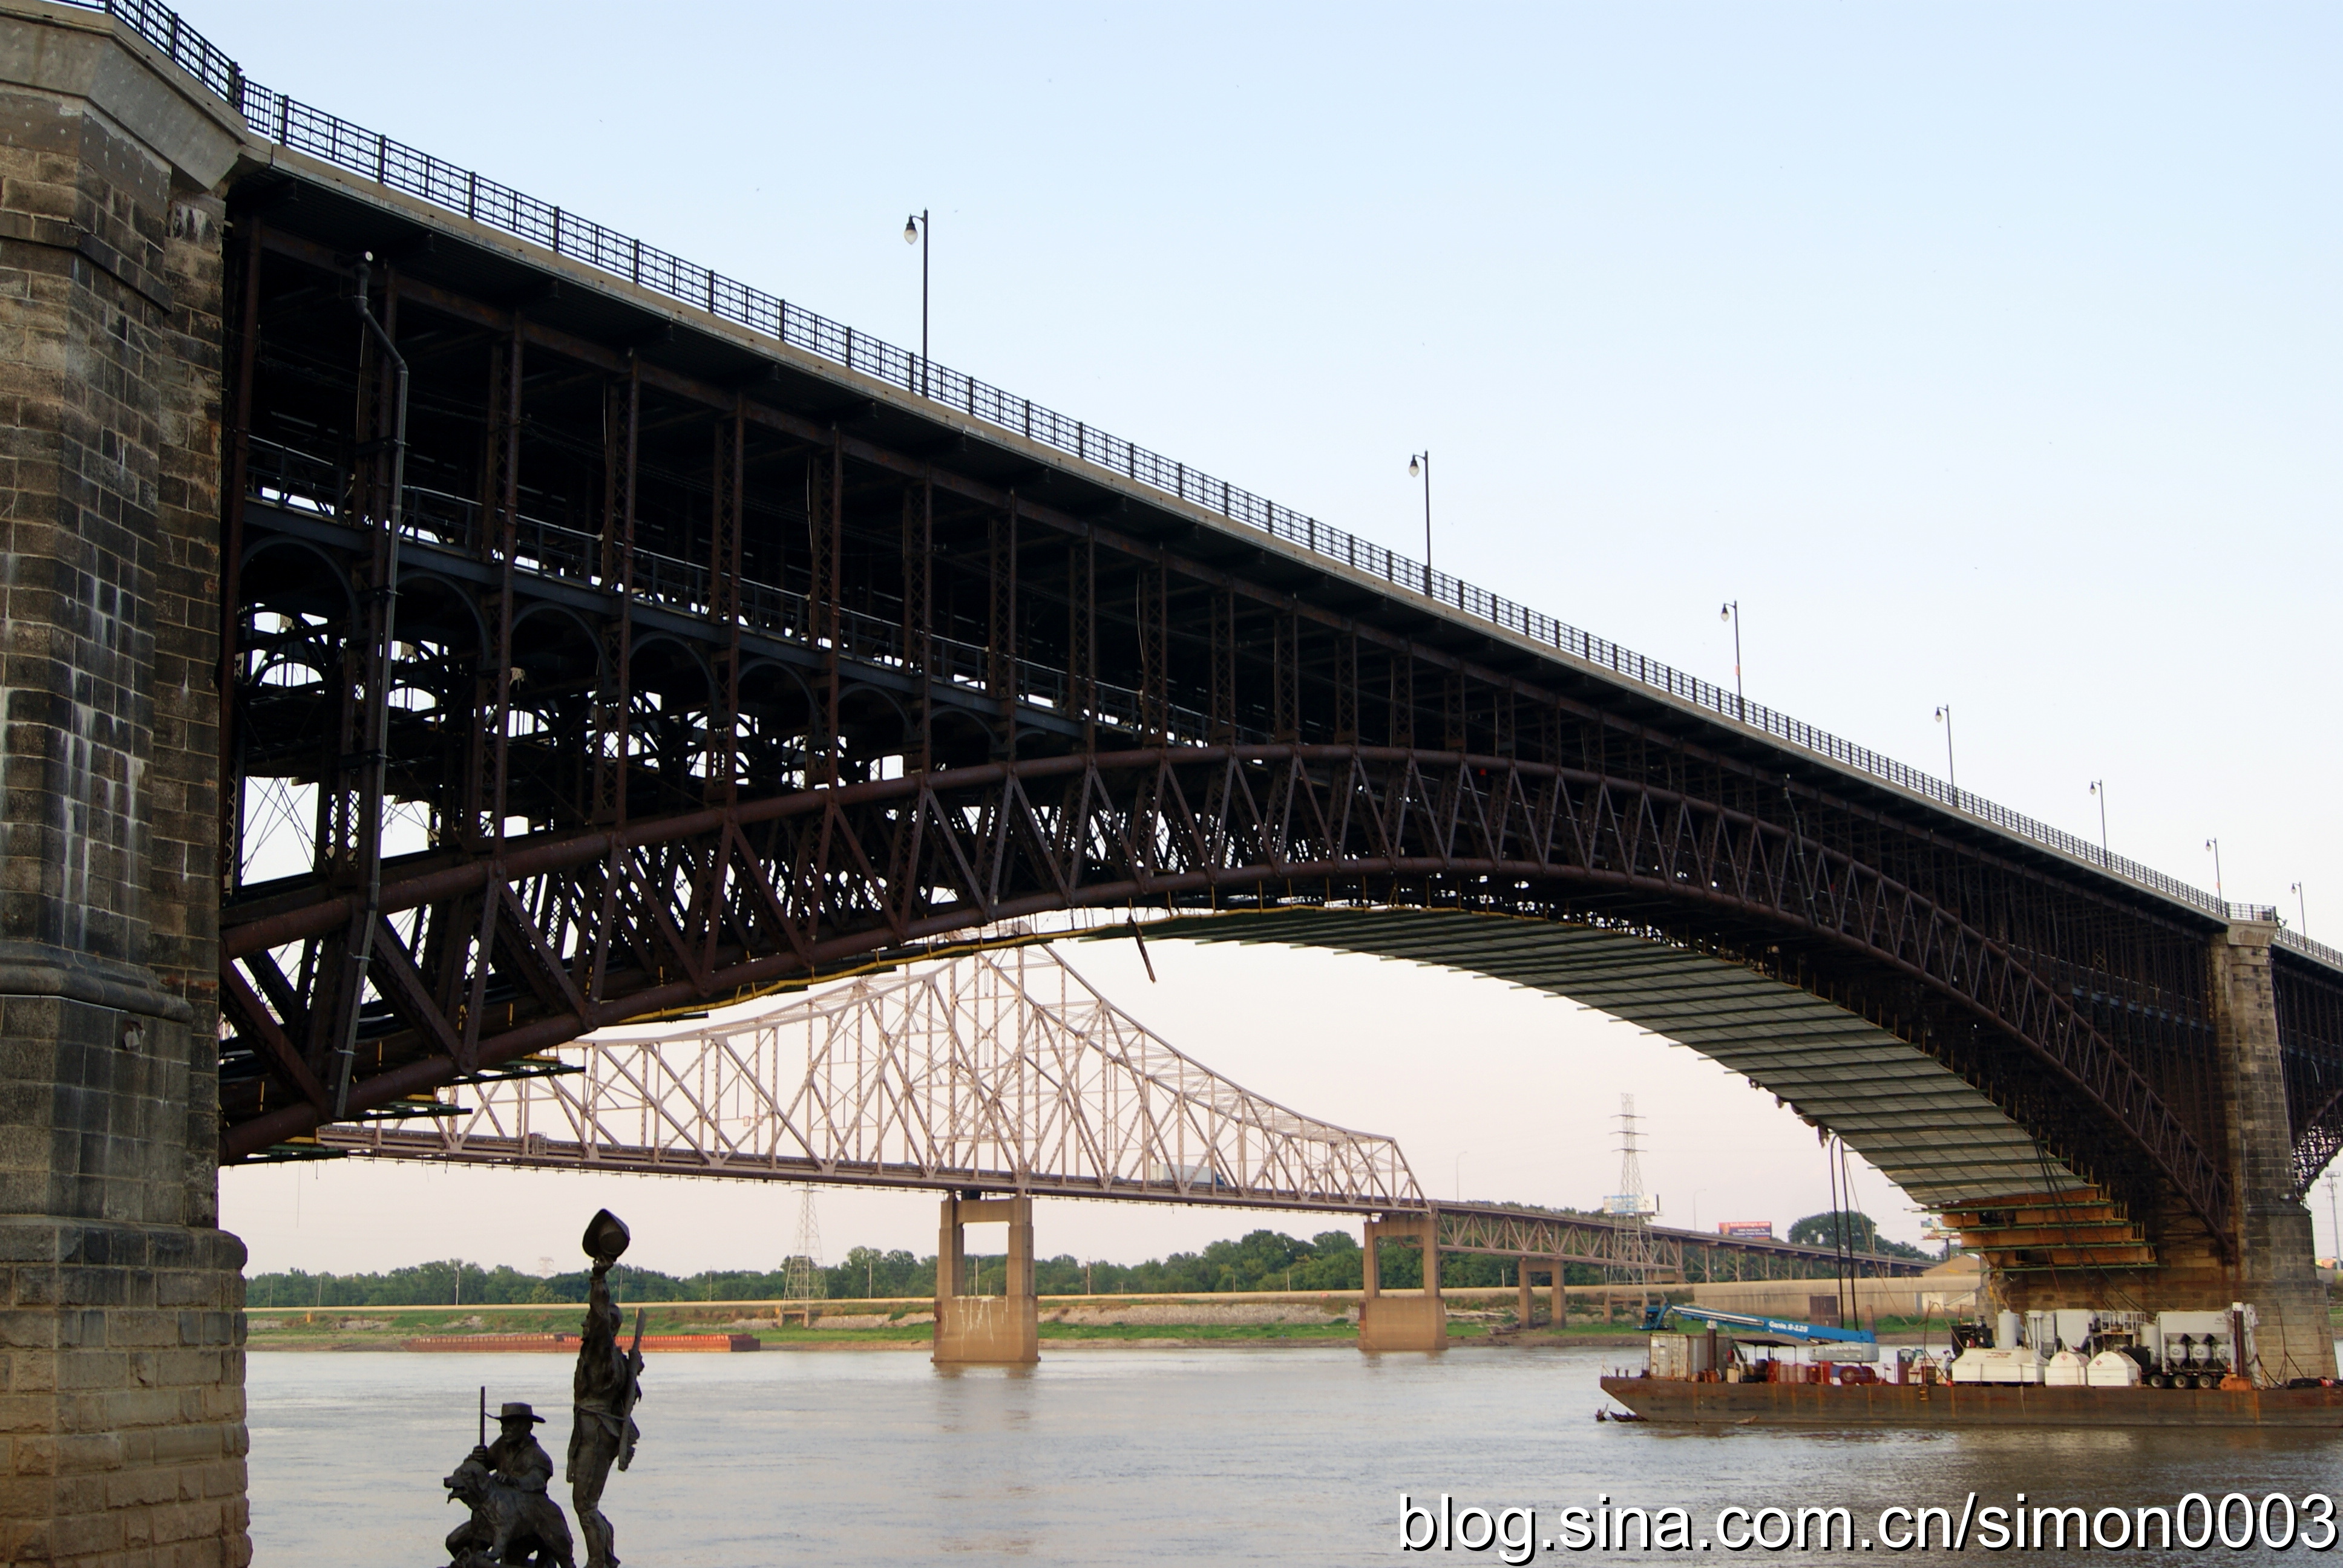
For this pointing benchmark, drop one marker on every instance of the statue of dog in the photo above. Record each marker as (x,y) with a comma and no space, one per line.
(509,1528)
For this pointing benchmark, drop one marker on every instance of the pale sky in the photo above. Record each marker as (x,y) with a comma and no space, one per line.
(1985,354)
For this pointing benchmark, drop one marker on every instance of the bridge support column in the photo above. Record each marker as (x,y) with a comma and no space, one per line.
(122,1434)
(1410,1320)
(1521,1290)
(2277,1267)
(1003,1330)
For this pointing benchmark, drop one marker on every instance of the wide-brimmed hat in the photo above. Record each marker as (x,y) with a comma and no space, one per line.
(606,1236)
(516,1411)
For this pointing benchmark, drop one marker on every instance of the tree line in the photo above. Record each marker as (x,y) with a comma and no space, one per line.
(1258,1261)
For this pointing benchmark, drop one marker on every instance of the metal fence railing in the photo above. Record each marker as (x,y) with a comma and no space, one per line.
(297,126)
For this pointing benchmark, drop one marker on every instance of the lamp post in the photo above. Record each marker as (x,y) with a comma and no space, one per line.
(2218,892)
(1952,775)
(1419,465)
(2099,789)
(915,232)
(2302,910)
(1730,610)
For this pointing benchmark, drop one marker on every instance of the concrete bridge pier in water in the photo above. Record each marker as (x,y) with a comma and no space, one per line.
(973,1330)
(1403,1319)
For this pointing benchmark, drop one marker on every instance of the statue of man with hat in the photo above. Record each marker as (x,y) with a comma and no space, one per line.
(516,1457)
(604,1388)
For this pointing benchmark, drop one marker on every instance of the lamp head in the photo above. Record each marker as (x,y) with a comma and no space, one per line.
(911,229)
(1414,466)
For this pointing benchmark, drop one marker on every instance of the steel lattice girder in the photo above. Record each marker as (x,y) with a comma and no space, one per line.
(998,1069)
(1623,1245)
(588,930)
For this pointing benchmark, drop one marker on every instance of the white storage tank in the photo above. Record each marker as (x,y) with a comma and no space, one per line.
(2064,1369)
(1980,1364)
(2112,1368)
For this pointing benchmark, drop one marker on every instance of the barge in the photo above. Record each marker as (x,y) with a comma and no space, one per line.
(2067,1368)
(1950,1404)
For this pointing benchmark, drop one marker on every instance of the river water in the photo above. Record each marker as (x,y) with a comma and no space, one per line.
(1128,1455)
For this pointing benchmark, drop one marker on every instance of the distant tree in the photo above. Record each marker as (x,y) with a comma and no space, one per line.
(1825,1229)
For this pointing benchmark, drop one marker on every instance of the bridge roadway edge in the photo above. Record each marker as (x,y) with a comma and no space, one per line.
(121,1436)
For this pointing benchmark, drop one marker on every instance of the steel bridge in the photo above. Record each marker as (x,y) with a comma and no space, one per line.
(996,1071)
(679,643)
(442,628)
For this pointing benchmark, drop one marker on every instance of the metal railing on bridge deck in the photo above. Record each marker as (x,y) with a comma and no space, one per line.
(374,155)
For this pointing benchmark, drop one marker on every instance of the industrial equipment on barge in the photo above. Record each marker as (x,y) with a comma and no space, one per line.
(2070,1367)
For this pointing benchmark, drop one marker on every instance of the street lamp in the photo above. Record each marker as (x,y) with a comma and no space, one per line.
(2099,789)
(915,232)
(2215,845)
(1952,777)
(2302,910)
(1419,465)
(1730,610)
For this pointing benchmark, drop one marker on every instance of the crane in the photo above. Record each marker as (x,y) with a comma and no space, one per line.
(1656,1319)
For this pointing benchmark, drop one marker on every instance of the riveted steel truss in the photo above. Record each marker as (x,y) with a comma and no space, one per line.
(1626,1250)
(717,671)
(998,1070)
(590,928)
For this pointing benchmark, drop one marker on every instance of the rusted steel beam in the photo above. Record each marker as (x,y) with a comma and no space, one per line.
(1407,815)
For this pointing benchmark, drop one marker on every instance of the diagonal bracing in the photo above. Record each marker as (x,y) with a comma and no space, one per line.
(1001,1069)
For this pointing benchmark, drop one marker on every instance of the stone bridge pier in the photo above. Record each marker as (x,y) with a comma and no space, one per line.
(122,1434)
(2271,1261)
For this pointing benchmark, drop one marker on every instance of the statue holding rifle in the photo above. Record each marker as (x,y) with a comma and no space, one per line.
(606,1384)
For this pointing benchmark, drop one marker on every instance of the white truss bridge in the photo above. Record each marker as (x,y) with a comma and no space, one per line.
(1000,1070)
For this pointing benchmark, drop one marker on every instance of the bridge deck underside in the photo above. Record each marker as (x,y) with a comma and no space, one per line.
(1934,1136)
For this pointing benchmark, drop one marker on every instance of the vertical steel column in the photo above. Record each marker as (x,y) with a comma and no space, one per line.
(239,459)
(1001,628)
(1151,589)
(492,696)
(825,524)
(729,473)
(1081,634)
(613,711)
(492,705)
(350,798)
(1286,678)
(1346,688)
(1403,698)
(919,648)
(1225,668)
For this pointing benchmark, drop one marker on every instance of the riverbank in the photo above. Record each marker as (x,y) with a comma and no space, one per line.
(1483,1318)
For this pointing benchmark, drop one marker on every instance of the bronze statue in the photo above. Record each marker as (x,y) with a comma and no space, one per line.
(514,1523)
(606,1384)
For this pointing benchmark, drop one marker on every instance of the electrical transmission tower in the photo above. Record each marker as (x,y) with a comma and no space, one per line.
(801,1277)
(1638,1254)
